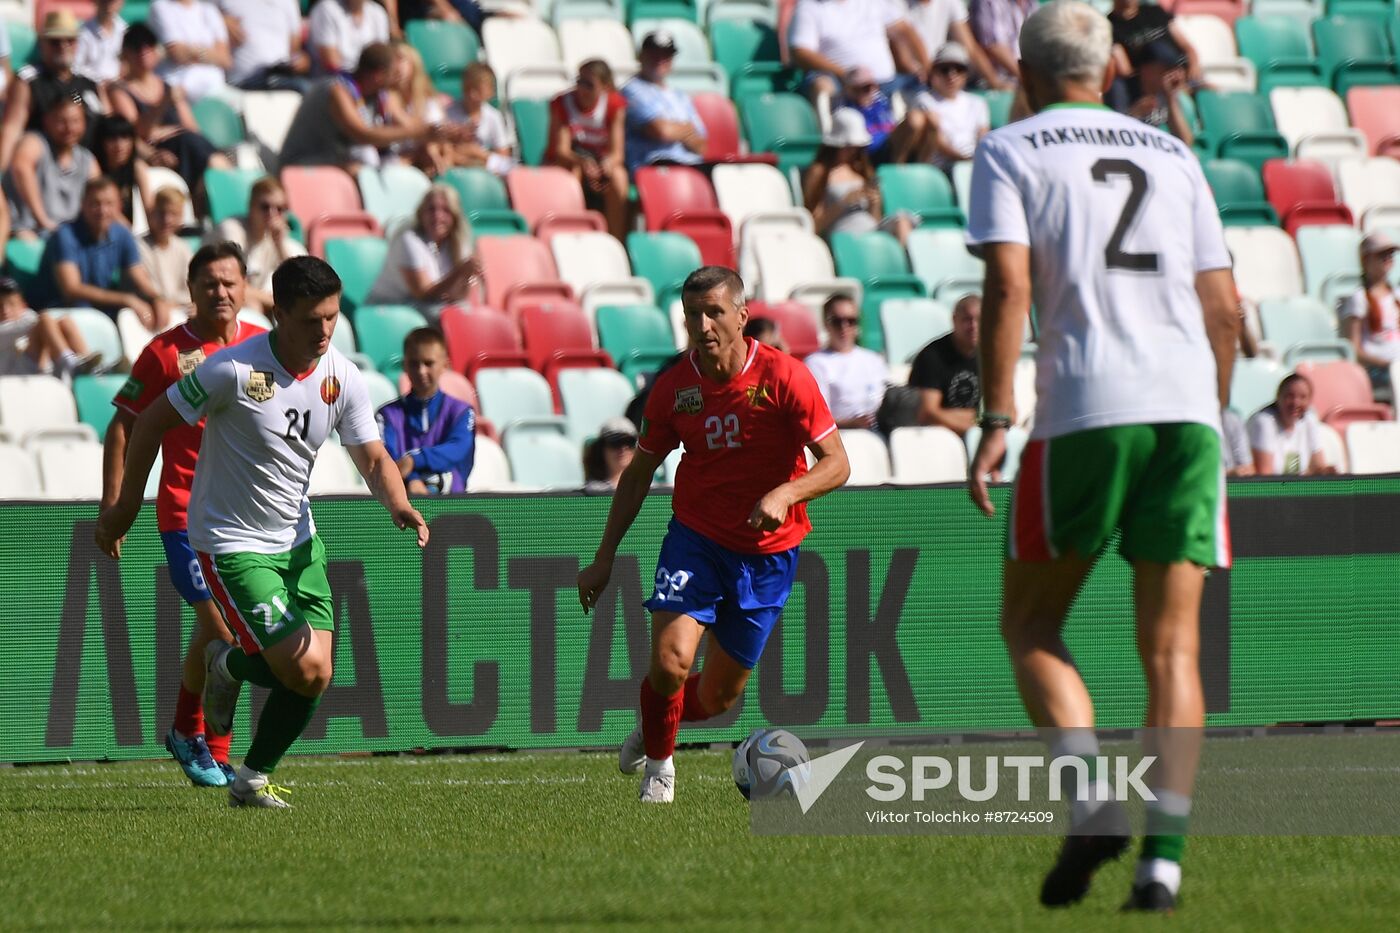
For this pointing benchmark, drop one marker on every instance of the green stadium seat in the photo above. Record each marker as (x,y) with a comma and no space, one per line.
(357,260)
(785,124)
(638,337)
(749,53)
(941,260)
(22,43)
(99,331)
(228,190)
(531,129)
(1304,11)
(218,122)
(485,202)
(663,9)
(664,260)
(1354,52)
(1239,193)
(544,460)
(447,49)
(94,396)
(1376,10)
(1331,261)
(22,258)
(382,390)
(1281,49)
(921,190)
(879,263)
(392,193)
(586,9)
(136,11)
(999,106)
(1240,125)
(692,48)
(910,323)
(381,329)
(1254,384)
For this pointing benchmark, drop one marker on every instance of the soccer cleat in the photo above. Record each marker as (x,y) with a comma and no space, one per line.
(194,759)
(229,773)
(1153,897)
(659,783)
(1080,856)
(262,794)
(633,753)
(220,690)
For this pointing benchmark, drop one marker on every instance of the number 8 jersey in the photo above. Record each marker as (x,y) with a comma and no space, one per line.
(743,438)
(1119,220)
(263,427)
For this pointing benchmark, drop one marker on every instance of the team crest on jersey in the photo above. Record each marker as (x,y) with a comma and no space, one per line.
(330,390)
(189,360)
(689,401)
(260,385)
(758,395)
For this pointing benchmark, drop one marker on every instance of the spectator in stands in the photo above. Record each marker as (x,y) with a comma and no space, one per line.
(840,187)
(828,38)
(197,56)
(37,87)
(164,255)
(891,142)
(663,126)
(939,22)
(946,372)
(1286,436)
(587,137)
(1371,315)
(1235,455)
(1153,93)
(430,263)
(606,457)
(264,237)
(765,330)
(33,343)
(420,101)
(489,143)
(429,433)
(449,11)
(167,134)
(86,256)
(266,40)
(852,379)
(340,30)
(997,26)
(1136,26)
(100,43)
(117,159)
(50,169)
(960,119)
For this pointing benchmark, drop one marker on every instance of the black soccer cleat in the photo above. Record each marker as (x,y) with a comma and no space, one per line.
(1080,856)
(1153,897)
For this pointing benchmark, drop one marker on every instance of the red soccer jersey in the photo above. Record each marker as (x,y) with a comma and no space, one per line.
(742,438)
(166,360)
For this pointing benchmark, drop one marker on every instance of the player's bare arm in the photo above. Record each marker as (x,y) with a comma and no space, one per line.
(1006,305)
(114,454)
(831,471)
(632,489)
(385,482)
(116,520)
(1216,290)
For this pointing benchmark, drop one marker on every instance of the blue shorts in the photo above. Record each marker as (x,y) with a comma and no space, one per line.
(738,597)
(184,567)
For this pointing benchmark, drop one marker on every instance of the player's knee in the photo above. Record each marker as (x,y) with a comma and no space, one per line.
(312,676)
(718,698)
(1170,662)
(916,121)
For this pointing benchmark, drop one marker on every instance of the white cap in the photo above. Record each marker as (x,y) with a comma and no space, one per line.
(1378,243)
(847,129)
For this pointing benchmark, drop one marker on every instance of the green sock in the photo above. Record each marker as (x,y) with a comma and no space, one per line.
(284,718)
(1167,819)
(250,667)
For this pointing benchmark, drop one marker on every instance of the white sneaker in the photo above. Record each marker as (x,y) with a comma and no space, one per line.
(221,691)
(252,789)
(659,782)
(633,753)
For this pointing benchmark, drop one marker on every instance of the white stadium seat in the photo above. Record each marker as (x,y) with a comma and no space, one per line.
(1016,439)
(70,469)
(868,455)
(1315,123)
(267,116)
(1368,184)
(608,39)
(910,324)
(592,396)
(512,43)
(757,199)
(36,406)
(19,474)
(1374,446)
(1266,262)
(156,179)
(1254,384)
(515,394)
(596,267)
(692,48)
(940,258)
(1220,60)
(927,455)
(544,460)
(1334,449)
(334,473)
(797,264)
(490,467)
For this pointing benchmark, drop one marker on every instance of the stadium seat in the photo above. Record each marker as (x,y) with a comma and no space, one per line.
(749,52)
(481,337)
(723,140)
(513,395)
(1254,384)
(446,48)
(1373,446)
(592,396)
(1353,52)
(664,260)
(93,395)
(708,79)
(1331,259)
(1342,392)
(515,43)
(927,455)
(23,41)
(1226,10)
(485,202)
(381,329)
(940,258)
(558,335)
(69,469)
(228,190)
(1240,126)
(868,456)
(560,10)
(36,406)
(998,106)
(98,331)
(392,193)
(1294,322)
(1281,49)
(758,11)
(157,178)
(1303,194)
(1334,449)
(267,116)
(544,460)
(531,115)
(784,124)
(358,261)
(22,261)
(535,85)
(608,39)
(452,383)
(19,474)
(796,264)
(923,191)
(516,268)
(1314,121)
(334,473)
(882,267)
(595,266)
(1378,10)
(490,468)
(680,200)
(1266,262)
(748,192)
(1214,42)
(1369,185)
(638,337)
(910,324)
(692,48)
(218,122)
(326,199)
(1016,439)
(551,201)
(381,388)
(1375,111)
(796,324)
(1239,193)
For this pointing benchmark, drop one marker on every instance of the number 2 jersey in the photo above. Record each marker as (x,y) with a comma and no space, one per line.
(264,426)
(1119,220)
(743,438)
(167,359)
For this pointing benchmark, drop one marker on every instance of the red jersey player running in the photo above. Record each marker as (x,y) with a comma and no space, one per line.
(744,412)
(217,284)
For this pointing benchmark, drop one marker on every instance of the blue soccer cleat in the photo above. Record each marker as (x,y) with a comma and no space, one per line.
(194,759)
(229,773)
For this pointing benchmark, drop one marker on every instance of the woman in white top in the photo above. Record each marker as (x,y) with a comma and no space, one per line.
(339,30)
(1286,436)
(1371,315)
(419,100)
(266,239)
(430,263)
(197,56)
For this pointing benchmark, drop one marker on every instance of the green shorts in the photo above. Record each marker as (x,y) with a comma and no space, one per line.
(266,597)
(1162,485)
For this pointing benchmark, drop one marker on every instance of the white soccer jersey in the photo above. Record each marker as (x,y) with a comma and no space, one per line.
(263,428)
(1119,220)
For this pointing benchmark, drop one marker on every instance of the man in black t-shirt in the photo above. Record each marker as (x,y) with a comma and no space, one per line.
(36,88)
(1136,26)
(946,374)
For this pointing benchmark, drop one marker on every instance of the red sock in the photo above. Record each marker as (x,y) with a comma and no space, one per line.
(661,718)
(189,714)
(693,710)
(218,746)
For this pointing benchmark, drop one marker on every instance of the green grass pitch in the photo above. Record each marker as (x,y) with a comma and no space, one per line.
(559,840)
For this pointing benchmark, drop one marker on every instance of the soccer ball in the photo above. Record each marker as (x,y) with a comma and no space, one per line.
(769,763)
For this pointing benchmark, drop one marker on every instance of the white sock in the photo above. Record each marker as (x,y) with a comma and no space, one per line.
(1081,743)
(1164,871)
(661,766)
(248,776)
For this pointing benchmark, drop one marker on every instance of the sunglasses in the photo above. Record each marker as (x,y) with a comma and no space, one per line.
(271,208)
(845,321)
(950,69)
(62,40)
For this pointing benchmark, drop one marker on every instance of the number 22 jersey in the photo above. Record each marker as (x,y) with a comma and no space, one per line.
(743,438)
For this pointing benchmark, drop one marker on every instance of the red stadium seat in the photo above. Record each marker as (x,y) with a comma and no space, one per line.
(83,9)
(722,130)
(1302,193)
(326,198)
(340,226)
(1375,111)
(558,336)
(1342,390)
(551,201)
(796,324)
(481,337)
(516,267)
(680,199)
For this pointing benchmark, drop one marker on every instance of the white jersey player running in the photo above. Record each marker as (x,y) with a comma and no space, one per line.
(1108,226)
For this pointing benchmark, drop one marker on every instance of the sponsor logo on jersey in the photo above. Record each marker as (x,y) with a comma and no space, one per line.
(330,390)
(131,389)
(260,385)
(189,360)
(689,401)
(758,395)
(192,392)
